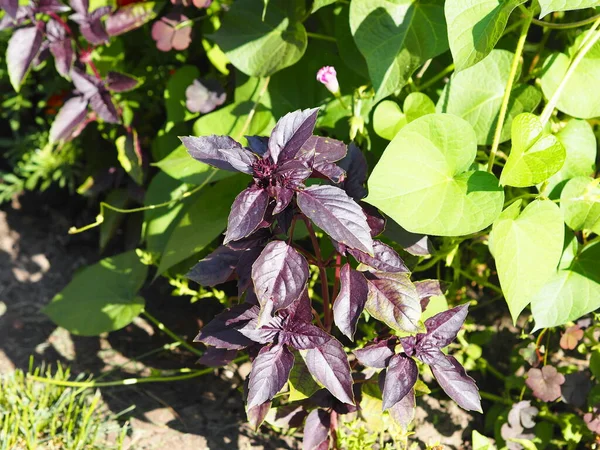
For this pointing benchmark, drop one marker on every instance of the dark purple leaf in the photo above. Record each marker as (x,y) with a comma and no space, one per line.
(246,214)
(316,430)
(10,6)
(240,159)
(47,6)
(258,144)
(217,357)
(283,197)
(211,149)
(257,239)
(323,149)
(458,385)
(222,331)
(376,355)
(384,259)
(87,85)
(330,170)
(263,334)
(279,274)
(545,383)
(415,244)
(120,82)
(393,299)
(374,218)
(443,327)
(61,47)
(350,302)
(400,377)
(71,115)
(216,268)
(329,365)
(355,166)
(303,336)
(23,47)
(427,289)
(290,133)
(244,268)
(80,6)
(403,412)
(300,310)
(256,415)
(94,30)
(103,105)
(167,36)
(270,372)
(129,17)
(204,96)
(576,388)
(288,416)
(338,215)
(430,354)
(292,172)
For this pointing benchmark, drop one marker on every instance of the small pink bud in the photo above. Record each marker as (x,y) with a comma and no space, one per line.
(328,77)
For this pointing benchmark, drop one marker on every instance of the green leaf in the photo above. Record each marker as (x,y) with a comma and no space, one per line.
(175,94)
(571,293)
(576,99)
(388,119)
(165,142)
(347,48)
(437,304)
(579,141)
(112,219)
(474,28)
(216,56)
(202,222)
(480,442)
(595,364)
(396,37)
(260,47)
(181,166)
(535,155)
(416,105)
(475,94)
(130,156)
(424,183)
(101,297)
(580,203)
(301,383)
(318,4)
(549,6)
(527,249)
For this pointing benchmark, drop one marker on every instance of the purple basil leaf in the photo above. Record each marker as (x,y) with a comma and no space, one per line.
(376,355)
(279,274)
(216,268)
(427,289)
(103,105)
(244,269)
(240,159)
(128,18)
(23,47)
(443,327)
(329,365)
(283,197)
(288,416)
(80,6)
(301,309)
(10,6)
(257,239)
(120,82)
(403,412)
(355,166)
(270,371)
(545,383)
(217,357)
(42,55)
(316,430)
(374,218)
(62,50)
(338,215)
(384,259)
(263,334)
(325,149)
(350,302)
(400,377)
(258,144)
(303,336)
(458,385)
(211,149)
(430,355)
(292,172)
(87,85)
(393,299)
(204,96)
(47,6)
(222,332)
(330,170)
(90,24)
(71,114)
(256,415)
(247,212)
(168,36)
(290,133)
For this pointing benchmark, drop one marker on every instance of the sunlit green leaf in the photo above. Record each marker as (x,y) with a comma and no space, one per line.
(580,203)
(175,94)
(549,6)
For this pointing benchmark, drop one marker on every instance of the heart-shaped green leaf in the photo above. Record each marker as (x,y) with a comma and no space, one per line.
(388,118)
(396,37)
(423,180)
(580,203)
(475,26)
(570,293)
(535,155)
(101,297)
(475,94)
(549,6)
(527,248)
(416,105)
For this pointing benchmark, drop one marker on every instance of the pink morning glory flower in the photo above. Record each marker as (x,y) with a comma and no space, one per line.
(328,77)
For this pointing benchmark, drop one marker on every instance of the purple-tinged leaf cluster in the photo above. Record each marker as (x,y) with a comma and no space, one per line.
(520,419)
(169,34)
(204,96)
(545,383)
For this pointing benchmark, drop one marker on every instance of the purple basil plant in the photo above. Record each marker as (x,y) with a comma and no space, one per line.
(278,322)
